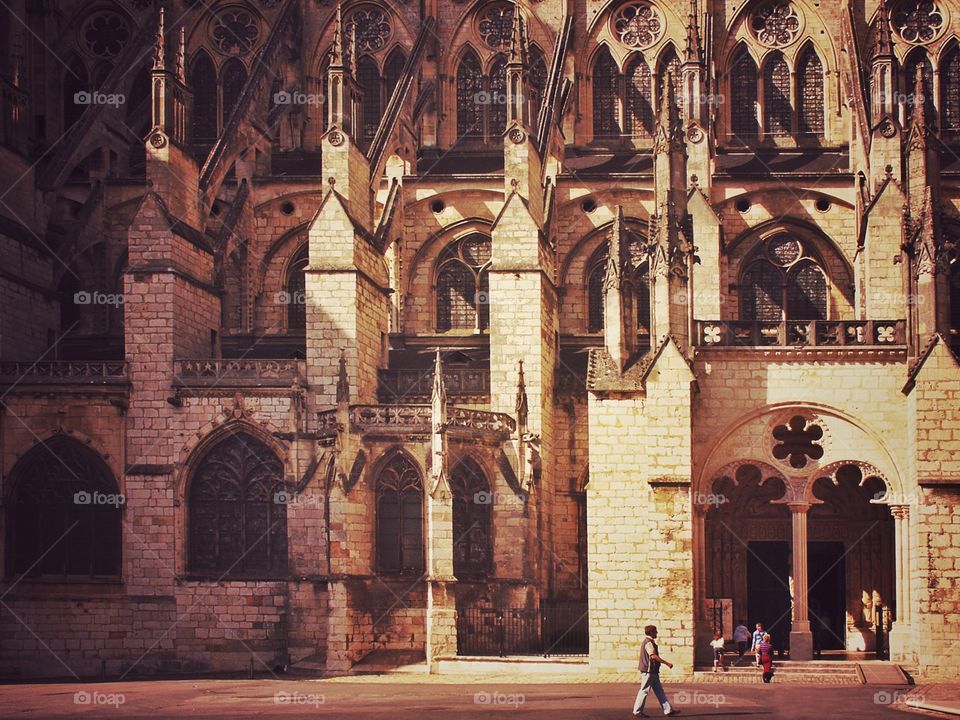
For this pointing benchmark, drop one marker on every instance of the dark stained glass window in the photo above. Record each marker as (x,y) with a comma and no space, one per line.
(368,77)
(297,291)
(670,63)
(595,297)
(232,79)
(950,90)
(641,279)
(237,510)
(917,59)
(498,99)
(64,514)
(203,84)
(400,518)
(469,90)
(810,95)
(472,503)
(538,82)
(783,281)
(777,107)
(743,101)
(606,122)
(462,291)
(639,97)
(392,71)
(762,293)
(806,293)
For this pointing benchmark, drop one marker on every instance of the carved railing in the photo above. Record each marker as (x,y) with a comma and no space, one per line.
(801,333)
(480,420)
(413,385)
(398,418)
(233,373)
(64,372)
(253,99)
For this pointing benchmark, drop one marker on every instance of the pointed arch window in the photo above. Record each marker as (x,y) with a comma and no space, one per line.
(469,88)
(296,290)
(203,83)
(639,99)
(233,77)
(481,99)
(368,78)
(783,281)
(64,514)
(950,90)
(472,504)
(641,279)
(75,80)
(606,96)
(462,285)
(538,83)
(917,59)
(392,72)
(670,63)
(743,91)
(810,113)
(237,515)
(400,518)
(777,106)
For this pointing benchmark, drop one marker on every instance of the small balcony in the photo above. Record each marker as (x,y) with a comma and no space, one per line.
(801,333)
(246,373)
(413,385)
(64,373)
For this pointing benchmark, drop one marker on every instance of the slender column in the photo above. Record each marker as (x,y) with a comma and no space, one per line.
(901,518)
(801,639)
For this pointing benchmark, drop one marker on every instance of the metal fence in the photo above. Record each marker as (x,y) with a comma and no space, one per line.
(555,629)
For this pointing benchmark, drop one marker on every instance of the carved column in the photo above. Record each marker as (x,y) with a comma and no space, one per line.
(801,639)
(902,644)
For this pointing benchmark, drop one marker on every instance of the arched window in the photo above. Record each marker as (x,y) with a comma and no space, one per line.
(232,79)
(472,502)
(64,513)
(641,281)
(203,83)
(950,90)
(670,63)
(75,83)
(606,83)
(368,77)
(538,82)
(783,281)
(462,285)
(392,72)
(400,518)
(237,515)
(743,91)
(498,99)
(917,59)
(296,286)
(469,89)
(810,95)
(639,98)
(777,106)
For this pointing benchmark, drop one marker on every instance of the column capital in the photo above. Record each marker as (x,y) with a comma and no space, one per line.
(900,512)
(799,508)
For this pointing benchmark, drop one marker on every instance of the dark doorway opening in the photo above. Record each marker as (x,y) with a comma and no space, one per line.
(826,580)
(768,590)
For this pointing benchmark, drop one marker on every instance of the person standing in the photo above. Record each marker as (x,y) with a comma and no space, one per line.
(741,636)
(650,662)
(766,658)
(757,639)
(718,645)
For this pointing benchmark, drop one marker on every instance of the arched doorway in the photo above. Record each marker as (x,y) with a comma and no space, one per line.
(799,535)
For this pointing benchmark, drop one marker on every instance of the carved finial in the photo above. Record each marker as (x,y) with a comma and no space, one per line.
(518,50)
(522,407)
(159,47)
(336,47)
(343,383)
(884,43)
(919,117)
(694,52)
(182,56)
(439,394)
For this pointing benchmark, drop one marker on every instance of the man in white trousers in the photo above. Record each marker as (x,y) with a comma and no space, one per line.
(650,662)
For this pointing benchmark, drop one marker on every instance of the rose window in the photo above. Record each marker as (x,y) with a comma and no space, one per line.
(638,25)
(776,24)
(106,34)
(235,32)
(371,27)
(798,440)
(918,22)
(496,26)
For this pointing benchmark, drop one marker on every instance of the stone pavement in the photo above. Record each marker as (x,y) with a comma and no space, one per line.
(376,698)
(943,697)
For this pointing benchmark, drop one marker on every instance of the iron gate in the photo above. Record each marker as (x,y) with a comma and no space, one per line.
(555,629)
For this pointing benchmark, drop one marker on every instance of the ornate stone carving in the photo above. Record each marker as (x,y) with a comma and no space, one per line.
(516,136)
(336,138)
(638,25)
(798,440)
(918,21)
(371,28)
(776,24)
(495,25)
(158,140)
(105,34)
(234,31)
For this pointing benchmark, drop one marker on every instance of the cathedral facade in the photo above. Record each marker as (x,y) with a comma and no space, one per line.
(337,334)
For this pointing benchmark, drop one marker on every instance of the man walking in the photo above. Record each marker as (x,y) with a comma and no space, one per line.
(650,662)
(741,636)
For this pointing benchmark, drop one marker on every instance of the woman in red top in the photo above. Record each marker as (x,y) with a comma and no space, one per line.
(766,658)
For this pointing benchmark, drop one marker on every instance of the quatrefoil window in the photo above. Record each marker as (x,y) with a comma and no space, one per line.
(372,28)
(105,34)
(638,25)
(918,21)
(797,441)
(235,31)
(776,24)
(496,25)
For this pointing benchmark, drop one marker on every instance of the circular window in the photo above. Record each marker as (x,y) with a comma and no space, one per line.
(234,31)
(495,25)
(287,208)
(105,34)
(372,28)
(742,205)
(589,205)
(438,206)
(918,21)
(822,204)
(776,24)
(638,25)
(784,250)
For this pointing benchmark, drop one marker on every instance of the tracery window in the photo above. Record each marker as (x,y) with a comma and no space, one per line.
(638,25)
(776,24)
(296,290)
(606,94)
(400,518)
(481,99)
(783,281)
(472,503)
(64,513)
(918,21)
(743,104)
(641,281)
(105,34)
(810,95)
(233,77)
(950,90)
(626,104)
(495,25)
(203,83)
(917,59)
(237,513)
(670,63)
(234,31)
(639,99)
(368,77)
(538,81)
(777,108)
(372,29)
(463,301)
